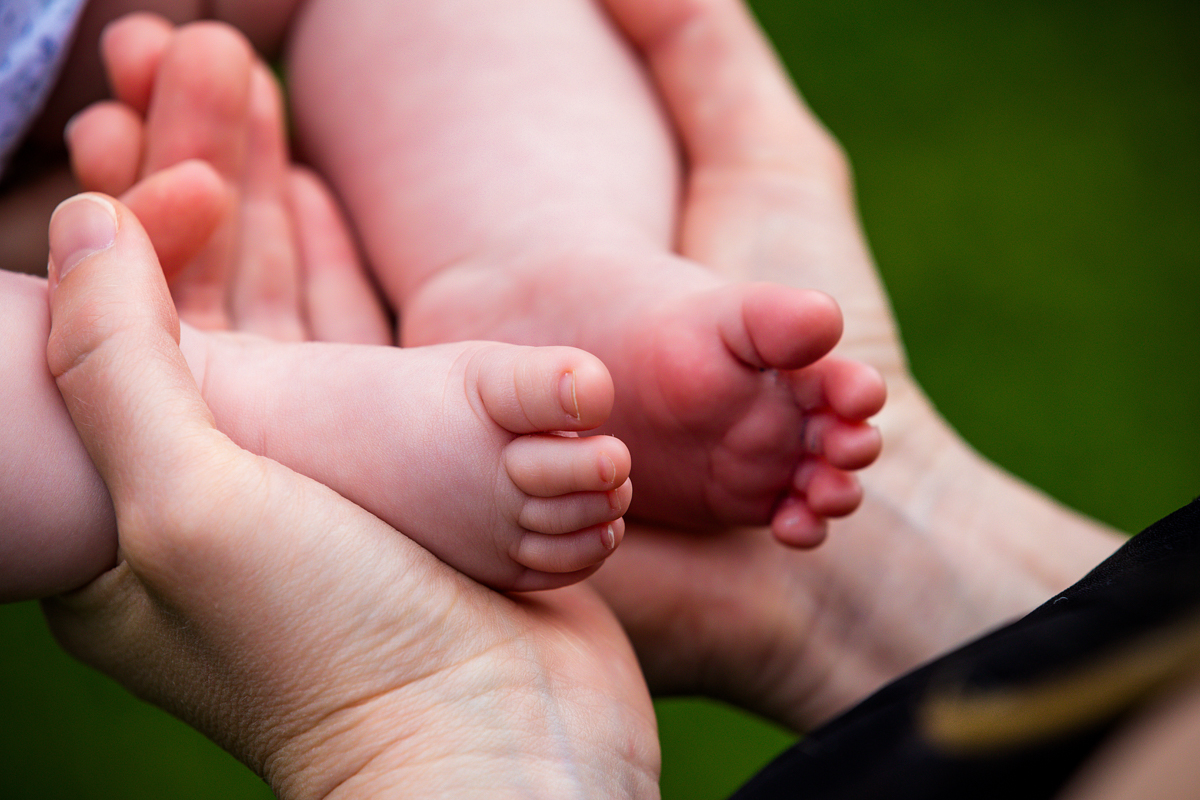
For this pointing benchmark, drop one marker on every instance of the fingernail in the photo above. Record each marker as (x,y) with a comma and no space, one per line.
(82,225)
(566,395)
(609,538)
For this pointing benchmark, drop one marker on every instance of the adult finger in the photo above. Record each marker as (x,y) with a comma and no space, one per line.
(341,303)
(731,101)
(769,194)
(199,108)
(110,308)
(181,207)
(105,145)
(265,285)
(132,48)
(237,578)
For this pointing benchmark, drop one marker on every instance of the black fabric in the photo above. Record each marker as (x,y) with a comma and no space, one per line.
(1076,652)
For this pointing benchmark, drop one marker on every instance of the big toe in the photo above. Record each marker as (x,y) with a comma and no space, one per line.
(778,327)
(539,389)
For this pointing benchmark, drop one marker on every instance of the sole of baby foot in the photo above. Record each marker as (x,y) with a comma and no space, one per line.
(713,387)
(717,399)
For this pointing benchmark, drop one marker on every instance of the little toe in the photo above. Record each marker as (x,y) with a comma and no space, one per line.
(540,389)
(549,466)
(573,512)
(779,327)
(568,552)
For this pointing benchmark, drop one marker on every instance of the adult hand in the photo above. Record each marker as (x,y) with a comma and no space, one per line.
(249,242)
(945,544)
(318,645)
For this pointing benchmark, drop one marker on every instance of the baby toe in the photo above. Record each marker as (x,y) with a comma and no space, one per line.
(845,445)
(853,446)
(541,389)
(784,328)
(574,512)
(549,466)
(568,553)
(854,390)
(795,524)
(827,490)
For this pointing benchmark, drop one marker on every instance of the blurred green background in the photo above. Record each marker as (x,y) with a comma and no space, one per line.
(1028,174)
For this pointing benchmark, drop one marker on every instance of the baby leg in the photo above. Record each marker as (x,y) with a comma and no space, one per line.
(533,201)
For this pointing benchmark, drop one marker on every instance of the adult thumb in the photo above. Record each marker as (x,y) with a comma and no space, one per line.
(113,348)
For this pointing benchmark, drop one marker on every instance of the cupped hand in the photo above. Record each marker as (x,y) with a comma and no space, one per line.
(194,144)
(318,645)
(944,544)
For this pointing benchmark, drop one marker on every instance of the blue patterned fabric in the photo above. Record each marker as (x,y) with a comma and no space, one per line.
(34,37)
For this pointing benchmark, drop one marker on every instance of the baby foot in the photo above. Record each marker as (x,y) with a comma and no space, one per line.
(469,448)
(544,519)
(733,417)
(279,260)
(721,394)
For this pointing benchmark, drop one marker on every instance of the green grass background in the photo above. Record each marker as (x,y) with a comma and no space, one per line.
(1028,176)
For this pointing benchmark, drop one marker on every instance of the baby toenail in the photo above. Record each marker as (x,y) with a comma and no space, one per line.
(609,537)
(608,470)
(566,395)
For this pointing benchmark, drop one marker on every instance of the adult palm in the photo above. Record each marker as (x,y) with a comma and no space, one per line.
(318,645)
(944,545)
